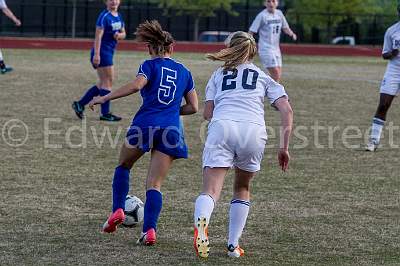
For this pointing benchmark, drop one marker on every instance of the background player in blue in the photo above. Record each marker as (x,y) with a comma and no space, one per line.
(109,30)
(156,127)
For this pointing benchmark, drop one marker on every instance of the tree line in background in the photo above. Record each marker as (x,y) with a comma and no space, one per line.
(343,11)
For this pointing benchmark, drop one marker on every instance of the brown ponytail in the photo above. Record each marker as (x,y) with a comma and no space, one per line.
(151,32)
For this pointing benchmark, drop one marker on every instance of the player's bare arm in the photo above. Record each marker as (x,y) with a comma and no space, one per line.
(97,45)
(192,104)
(283,105)
(290,33)
(121,35)
(128,89)
(208,110)
(11,15)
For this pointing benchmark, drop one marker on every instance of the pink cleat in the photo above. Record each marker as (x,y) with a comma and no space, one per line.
(148,239)
(115,219)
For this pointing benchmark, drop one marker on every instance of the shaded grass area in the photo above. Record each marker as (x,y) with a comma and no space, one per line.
(336,205)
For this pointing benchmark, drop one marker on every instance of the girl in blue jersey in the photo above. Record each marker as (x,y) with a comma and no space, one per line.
(156,127)
(109,30)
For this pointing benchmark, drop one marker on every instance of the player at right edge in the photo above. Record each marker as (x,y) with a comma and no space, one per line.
(390,86)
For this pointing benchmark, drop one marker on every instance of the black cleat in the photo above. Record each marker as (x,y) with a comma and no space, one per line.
(78,108)
(110,118)
(6,69)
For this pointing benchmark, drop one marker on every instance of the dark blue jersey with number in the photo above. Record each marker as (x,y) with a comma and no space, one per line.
(168,83)
(110,24)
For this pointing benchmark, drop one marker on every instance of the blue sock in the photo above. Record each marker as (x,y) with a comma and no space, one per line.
(105,107)
(120,187)
(152,209)
(89,95)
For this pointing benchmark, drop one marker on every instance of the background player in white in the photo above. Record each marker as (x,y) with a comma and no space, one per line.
(3,6)
(390,86)
(236,136)
(268,24)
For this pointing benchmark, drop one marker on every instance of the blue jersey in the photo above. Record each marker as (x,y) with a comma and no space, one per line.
(167,84)
(110,24)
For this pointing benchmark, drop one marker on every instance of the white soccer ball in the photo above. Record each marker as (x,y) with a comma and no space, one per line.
(134,211)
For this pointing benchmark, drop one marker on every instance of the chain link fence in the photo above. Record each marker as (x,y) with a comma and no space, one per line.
(63,18)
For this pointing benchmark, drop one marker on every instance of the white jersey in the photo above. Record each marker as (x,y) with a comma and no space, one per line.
(239,95)
(391,42)
(3,4)
(269,26)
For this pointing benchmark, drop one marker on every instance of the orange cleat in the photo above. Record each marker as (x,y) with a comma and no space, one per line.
(115,219)
(235,252)
(148,239)
(200,241)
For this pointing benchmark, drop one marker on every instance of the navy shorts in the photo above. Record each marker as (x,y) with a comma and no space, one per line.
(169,141)
(106,57)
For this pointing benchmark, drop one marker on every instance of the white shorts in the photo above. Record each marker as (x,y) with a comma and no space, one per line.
(271,58)
(390,86)
(239,144)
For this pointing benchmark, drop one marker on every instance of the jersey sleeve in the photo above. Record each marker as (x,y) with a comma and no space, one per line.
(387,43)
(274,91)
(145,70)
(255,26)
(211,88)
(285,24)
(190,85)
(101,20)
(3,4)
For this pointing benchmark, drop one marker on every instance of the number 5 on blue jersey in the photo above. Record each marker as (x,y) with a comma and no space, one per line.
(166,92)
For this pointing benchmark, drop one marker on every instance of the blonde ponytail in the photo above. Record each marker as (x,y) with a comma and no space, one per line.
(241,48)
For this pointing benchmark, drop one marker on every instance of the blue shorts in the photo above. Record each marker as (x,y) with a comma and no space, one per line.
(106,57)
(169,141)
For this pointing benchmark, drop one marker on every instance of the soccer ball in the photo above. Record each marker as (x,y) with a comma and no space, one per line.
(134,211)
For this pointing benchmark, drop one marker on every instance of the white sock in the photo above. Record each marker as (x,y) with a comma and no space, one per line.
(237,220)
(1,56)
(376,131)
(203,207)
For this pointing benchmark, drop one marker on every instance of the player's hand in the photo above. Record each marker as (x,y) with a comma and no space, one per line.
(96,100)
(283,158)
(96,60)
(117,36)
(294,37)
(18,22)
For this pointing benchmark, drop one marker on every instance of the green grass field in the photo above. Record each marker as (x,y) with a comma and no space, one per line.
(335,206)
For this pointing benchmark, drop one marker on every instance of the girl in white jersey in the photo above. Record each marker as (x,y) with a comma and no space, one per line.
(268,24)
(390,86)
(236,136)
(3,6)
